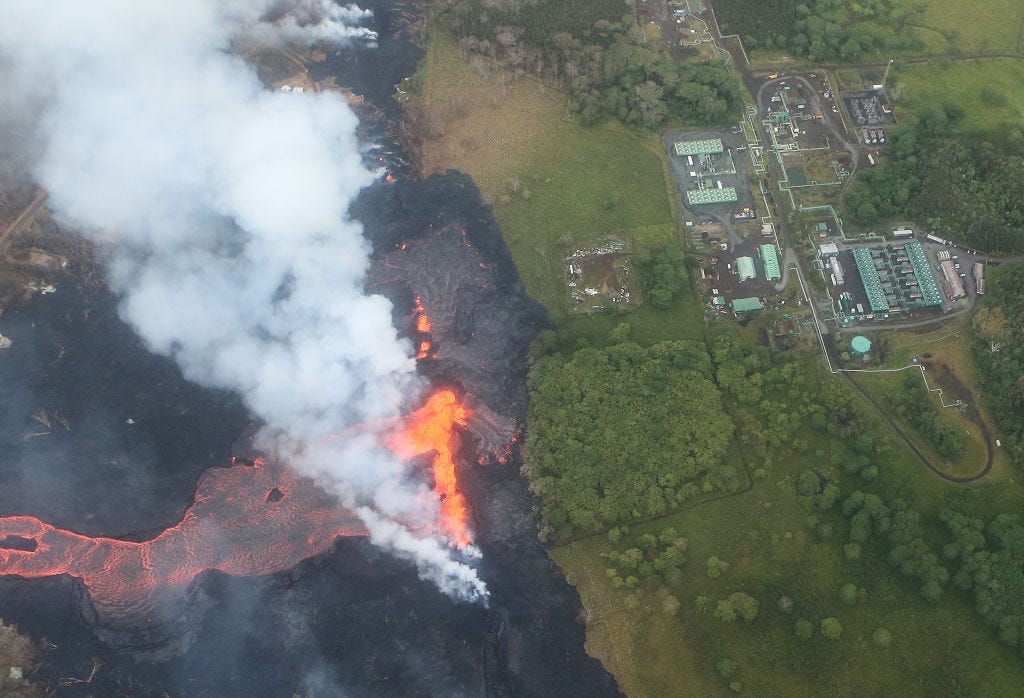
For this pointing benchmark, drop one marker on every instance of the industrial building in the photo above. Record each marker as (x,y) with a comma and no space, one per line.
(745,266)
(838,276)
(771,263)
(711,195)
(953,281)
(707,146)
(746,305)
(872,281)
(930,295)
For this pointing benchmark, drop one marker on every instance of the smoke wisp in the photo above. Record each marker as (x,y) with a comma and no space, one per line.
(222,207)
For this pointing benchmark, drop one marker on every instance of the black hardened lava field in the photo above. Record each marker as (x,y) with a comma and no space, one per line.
(132,448)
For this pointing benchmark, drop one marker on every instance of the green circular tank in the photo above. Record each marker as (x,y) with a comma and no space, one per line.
(861,344)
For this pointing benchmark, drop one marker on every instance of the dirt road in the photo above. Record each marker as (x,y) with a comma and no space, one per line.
(24,218)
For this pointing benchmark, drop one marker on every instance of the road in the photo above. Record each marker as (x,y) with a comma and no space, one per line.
(24,218)
(791,260)
(980,423)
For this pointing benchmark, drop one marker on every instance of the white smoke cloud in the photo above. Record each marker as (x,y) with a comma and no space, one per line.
(223,206)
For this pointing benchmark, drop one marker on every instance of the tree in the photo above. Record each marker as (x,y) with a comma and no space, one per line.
(881,637)
(744,605)
(725,612)
(831,629)
(804,629)
(726,667)
(715,567)
(848,593)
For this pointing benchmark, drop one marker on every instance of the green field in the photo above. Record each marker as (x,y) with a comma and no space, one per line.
(775,547)
(995,26)
(552,181)
(987,89)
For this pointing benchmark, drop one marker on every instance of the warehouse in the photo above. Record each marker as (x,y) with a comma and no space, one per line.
(746,305)
(955,286)
(771,263)
(745,266)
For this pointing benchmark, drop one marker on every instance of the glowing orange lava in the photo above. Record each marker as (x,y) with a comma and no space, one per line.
(246,520)
(422,327)
(431,429)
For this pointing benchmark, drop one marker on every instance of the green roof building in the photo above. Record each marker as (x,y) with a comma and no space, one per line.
(869,278)
(746,305)
(707,146)
(930,294)
(745,266)
(771,263)
(711,195)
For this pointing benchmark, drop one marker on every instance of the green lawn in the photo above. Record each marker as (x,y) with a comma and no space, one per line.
(552,181)
(921,85)
(989,26)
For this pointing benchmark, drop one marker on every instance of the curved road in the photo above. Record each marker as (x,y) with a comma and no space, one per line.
(790,259)
(989,458)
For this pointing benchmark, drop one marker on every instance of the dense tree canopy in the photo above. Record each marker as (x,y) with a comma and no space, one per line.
(910,400)
(998,349)
(823,30)
(598,52)
(617,433)
(992,568)
(962,186)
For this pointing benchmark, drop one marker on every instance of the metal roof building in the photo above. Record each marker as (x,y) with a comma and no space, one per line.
(771,263)
(711,195)
(869,277)
(922,270)
(707,146)
(745,266)
(746,305)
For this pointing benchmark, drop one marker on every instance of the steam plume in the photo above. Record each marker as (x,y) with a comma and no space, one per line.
(223,207)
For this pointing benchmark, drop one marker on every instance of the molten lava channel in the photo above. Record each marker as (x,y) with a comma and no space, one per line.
(432,429)
(246,520)
(423,328)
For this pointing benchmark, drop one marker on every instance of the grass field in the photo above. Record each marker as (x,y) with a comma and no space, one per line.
(551,181)
(947,345)
(921,85)
(989,26)
(938,649)
(975,452)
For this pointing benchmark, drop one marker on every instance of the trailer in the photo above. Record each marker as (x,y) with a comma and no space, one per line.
(936,239)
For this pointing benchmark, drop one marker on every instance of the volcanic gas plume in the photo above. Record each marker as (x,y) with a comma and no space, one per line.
(222,208)
(247,520)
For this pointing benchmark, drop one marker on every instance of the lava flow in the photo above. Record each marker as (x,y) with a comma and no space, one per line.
(432,429)
(423,328)
(246,520)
